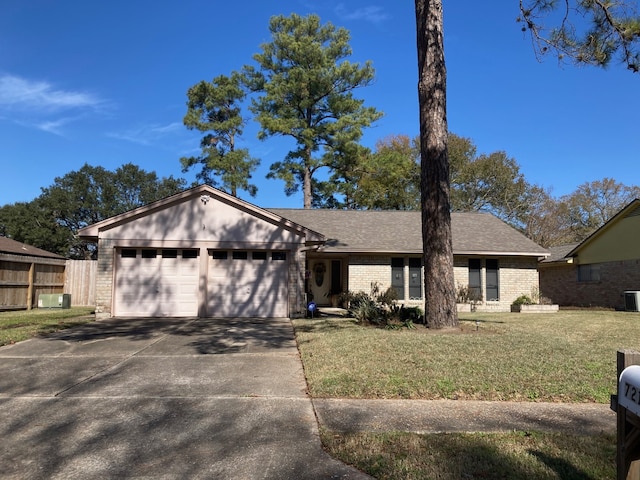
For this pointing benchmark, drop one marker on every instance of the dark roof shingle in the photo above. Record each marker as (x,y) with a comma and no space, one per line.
(8,245)
(400,231)
(559,253)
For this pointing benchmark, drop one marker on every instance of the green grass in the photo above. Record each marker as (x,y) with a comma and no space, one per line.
(513,455)
(568,356)
(20,325)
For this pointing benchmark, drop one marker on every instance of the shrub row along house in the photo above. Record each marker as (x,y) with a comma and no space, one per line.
(599,270)
(205,253)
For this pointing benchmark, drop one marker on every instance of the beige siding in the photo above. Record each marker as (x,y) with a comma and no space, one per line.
(191,222)
(617,242)
(194,224)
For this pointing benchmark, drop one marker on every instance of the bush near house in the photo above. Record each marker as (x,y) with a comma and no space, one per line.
(380,308)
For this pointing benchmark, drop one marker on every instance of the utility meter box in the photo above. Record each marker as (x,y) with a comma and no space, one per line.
(54,300)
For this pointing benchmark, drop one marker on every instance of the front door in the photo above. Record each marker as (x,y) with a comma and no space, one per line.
(320,281)
(325,281)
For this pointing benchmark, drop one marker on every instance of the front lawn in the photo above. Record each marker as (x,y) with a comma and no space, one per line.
(568,356)
(495,456)
(20,325)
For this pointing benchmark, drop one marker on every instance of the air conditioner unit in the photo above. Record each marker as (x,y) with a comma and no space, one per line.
(632,301)
(54,300)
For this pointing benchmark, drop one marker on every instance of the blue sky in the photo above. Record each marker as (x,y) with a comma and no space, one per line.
(105,83)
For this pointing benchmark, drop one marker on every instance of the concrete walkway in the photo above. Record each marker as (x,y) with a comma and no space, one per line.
(425,416)
(161,399)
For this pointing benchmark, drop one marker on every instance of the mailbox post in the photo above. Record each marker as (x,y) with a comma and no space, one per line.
(627,406)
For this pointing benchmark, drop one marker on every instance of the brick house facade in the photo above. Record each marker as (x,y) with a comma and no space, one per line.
(384,248)
(205,253)
(599,270)
(561,284)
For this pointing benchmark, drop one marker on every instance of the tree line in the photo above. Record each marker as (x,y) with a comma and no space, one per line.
(78,199)
(388,178)
(385,178)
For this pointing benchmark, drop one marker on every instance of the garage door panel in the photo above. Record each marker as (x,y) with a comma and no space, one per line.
(157,286)
(247,288)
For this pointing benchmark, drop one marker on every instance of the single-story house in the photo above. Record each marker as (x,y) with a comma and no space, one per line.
(599,270)
(26,272)
(205,253)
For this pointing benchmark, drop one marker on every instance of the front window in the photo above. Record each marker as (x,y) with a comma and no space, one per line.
(475,279)
(589,273)
(493,277)
(415,279)
(397,276)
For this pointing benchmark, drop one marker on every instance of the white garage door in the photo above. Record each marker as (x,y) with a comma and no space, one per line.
(156,283)
(248,284)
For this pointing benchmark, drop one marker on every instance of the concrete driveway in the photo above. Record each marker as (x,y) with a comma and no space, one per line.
(161,399)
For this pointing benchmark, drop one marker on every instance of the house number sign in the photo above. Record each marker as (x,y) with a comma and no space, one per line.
(629,389)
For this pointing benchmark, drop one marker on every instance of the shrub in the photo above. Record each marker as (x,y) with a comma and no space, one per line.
(467,294)
(380,308)
(523,300)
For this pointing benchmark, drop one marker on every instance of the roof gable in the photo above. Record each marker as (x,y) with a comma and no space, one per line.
(200,213)
(616,240)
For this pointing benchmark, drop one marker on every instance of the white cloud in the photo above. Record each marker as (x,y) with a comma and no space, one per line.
(53,126)
(149,135)
(40,105)
(371,13)
(20,93)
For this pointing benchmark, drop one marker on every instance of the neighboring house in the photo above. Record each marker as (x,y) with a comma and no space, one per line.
(599,270)
(26,272)
(205,253)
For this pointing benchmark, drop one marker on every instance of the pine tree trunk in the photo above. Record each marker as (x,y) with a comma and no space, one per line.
(306,182)
(440,295)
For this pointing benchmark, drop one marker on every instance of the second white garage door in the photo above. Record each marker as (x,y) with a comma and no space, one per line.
(248,284)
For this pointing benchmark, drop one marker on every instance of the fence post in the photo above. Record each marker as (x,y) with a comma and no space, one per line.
(31,280)
(628,425)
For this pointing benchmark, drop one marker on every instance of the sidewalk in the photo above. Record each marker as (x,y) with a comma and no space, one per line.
(434,416)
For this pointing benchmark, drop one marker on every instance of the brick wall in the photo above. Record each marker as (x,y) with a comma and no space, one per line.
(560,284)
(104,278)
(517,276)
(364,270)
(297,300)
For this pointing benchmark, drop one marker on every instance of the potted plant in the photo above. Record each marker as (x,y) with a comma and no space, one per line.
(337,297)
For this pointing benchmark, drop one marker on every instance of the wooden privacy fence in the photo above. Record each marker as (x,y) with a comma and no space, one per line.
(80,282)
(23,278)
